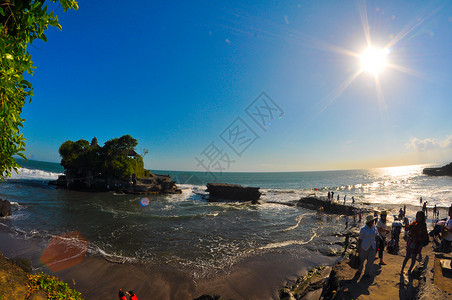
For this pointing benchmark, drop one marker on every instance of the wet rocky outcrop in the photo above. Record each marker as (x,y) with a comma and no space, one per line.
(328,206)
(307,287)
(154,184)
(235,192)
(442,171)
(5,208)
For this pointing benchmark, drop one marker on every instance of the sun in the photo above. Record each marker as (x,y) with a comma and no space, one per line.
(374,60)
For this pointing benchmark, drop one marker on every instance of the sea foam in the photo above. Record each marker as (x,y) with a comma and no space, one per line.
(25,173)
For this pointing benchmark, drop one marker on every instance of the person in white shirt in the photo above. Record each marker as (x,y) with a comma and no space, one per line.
(383,231)
(367,246)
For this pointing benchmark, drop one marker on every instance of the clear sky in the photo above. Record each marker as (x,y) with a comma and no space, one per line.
(247,86)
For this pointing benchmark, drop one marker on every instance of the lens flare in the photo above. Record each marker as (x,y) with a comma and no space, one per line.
(144,202)
(64,251)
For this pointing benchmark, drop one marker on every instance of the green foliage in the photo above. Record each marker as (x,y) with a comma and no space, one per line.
(71,151)
(21,22)
(116,159)
(54,288)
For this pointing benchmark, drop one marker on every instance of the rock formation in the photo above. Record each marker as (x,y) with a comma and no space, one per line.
(154,184)
(225,191)
(329,207)
(5,208)
(442,171)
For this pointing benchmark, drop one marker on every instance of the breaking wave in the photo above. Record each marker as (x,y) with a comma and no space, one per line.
(36,174)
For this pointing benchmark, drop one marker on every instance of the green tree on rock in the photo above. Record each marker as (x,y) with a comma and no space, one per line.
(21,22)
(117,159)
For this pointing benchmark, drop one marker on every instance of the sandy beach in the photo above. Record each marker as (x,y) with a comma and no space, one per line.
(259,277)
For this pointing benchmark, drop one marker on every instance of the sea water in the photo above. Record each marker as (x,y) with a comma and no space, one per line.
(187,231)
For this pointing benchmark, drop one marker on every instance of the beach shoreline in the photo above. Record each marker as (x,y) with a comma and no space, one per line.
(254,277)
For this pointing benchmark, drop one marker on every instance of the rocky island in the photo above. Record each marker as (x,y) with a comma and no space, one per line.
(114,167)
(442,171)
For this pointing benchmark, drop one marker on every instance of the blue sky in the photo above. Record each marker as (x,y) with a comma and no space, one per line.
(179,77)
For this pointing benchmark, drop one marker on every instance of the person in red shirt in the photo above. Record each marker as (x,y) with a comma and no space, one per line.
(132,295)
(418,236)
(121,295)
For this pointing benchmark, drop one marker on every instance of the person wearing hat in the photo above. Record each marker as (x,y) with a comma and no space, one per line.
(383,231)
(367,246)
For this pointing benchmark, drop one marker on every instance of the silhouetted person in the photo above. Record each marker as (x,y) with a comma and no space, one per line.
(416,240)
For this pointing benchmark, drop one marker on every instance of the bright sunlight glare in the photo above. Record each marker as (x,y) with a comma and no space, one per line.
(374,60)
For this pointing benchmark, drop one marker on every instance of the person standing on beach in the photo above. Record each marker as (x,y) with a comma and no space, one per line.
(417,238)
(424,208)
(446,239)
(337,197)
(367,246)
(345,197)
(420,200)
(383,231)
(332,196)
(434,211)
(329,195)
(353,200)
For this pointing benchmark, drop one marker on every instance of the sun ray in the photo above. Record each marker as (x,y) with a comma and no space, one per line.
(330,98)
(413,25)
(408,71)
(278,32)
(365,23)
(381,99)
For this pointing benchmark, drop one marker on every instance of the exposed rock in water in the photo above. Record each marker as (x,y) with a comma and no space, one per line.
(5,208)
(442,171)
(329,207)
(154,184)
(225,191)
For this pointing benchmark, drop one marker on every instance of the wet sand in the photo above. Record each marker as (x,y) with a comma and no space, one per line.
(255,277)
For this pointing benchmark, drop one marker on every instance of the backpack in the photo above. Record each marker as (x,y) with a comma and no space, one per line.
(392,246)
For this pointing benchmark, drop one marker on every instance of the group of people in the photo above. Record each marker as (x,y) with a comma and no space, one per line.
(372,239)
(443,231)
(331,198)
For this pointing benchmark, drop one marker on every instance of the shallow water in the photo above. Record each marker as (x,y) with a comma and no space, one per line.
(187,231)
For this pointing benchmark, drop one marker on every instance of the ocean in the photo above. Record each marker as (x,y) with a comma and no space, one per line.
(190,233)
